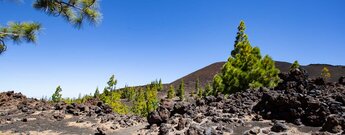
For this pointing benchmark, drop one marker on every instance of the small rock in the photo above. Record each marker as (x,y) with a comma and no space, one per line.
(101,130)
(164,129)
(25,120)
(255,130)
(279,127)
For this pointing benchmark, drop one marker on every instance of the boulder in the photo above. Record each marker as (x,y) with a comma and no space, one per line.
(332,125)
(154,118)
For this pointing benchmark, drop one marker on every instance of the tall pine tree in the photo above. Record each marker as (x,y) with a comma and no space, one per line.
(245,67)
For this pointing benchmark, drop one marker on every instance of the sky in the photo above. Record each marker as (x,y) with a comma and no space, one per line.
(143,40)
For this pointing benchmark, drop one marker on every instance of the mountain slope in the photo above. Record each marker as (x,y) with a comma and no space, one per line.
(207,73)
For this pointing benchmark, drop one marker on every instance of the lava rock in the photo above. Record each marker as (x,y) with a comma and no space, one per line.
(101,130)
(279,127)
(332,125)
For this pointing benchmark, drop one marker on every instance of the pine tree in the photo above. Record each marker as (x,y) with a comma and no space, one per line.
(160,85)
(171,92)
(151,99)
(112,83)
(139,105)
(208,90)
(294,65)
(116,103)
(96,94)
(198,88)
(200,93)
(76,12)
(181,91)
(325,73)
(18,32)
(245,68)
(131,93)
(57,96)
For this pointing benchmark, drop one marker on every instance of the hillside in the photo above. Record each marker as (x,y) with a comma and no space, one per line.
(207,73)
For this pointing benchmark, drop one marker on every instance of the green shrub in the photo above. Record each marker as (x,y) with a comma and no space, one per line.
(325,74)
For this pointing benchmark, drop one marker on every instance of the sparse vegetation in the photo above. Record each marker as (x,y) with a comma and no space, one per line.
(246,68)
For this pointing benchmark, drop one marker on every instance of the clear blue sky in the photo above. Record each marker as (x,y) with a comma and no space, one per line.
(141,40)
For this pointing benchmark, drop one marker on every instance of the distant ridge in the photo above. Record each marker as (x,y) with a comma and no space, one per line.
(207,73)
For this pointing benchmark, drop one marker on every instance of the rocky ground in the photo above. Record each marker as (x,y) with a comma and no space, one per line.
(298,105)
(21,115)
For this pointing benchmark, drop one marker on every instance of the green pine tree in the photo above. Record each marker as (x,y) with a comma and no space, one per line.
(245,68)
(151,98)
(112,83)
(76,12)
(96,94)
(160,85)
(181,93)
(208,90)
(139,106)
(294,65)
(171,92)
(198,89)
(57,96)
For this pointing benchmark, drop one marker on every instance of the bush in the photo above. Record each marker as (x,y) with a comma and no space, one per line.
(245,68)
(325,74)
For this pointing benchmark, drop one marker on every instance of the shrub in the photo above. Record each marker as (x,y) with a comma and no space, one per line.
(325,74)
